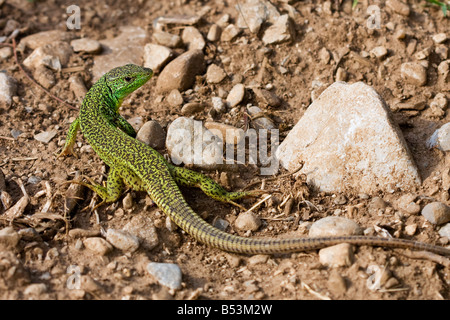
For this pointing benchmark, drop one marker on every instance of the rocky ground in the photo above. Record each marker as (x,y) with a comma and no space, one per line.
(241,65)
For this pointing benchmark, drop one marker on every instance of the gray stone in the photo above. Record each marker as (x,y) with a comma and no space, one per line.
(253,13)
(122,240)
(445,231)
(156,56)
(440,138)
(413,73)
(215,74)
(98,245)
(43,38)
(247,221)
(180,73)
(53,56)
(230,33)
(280,31)
(86,45)
(143,228)
(8,88)
(152,134)
(167,274)
(193,39)
(351,143)
(334,226)
(436,213)
(45,136)
(167,39)
(236,95)
(340,255)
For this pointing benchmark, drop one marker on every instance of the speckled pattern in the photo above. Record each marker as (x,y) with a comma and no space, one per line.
(142,168)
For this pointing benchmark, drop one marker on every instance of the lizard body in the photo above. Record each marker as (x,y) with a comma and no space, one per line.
(142,168)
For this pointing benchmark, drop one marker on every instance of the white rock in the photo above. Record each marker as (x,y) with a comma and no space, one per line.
(218,104)
(167,39)
(35,289)
(247,221)
(236,95)
(229,33)
(215,74)
(45,136)
(53,56)
(279,32)
(189,142)
(379,52)
(43,38)
(167,274)
(8,88)
(350,143)
(156,56)
(214,33)
(440,38)
(253,13)
(340,255)
(152,134)
(98,245)
(445,231)
(86,45)
(440,138)
(413,73)
(334,226)
(193,39)
(142,227)
(122,240)
(436,213)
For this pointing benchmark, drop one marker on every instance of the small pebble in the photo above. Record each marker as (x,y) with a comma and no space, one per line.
(156,56)
(193,39)
(218,105)
(267,98)
(8,88)
(215,74)
(411,229)
(260,122)
(440,38)
(413,73)
(230,33)
(340,255)
(437,213)
(127,201)
(247,221)
(167,274)
(236,95)
(167,39)
(191,108)
(35,289)
(152,134)
(278,32)
(406,203)
(144,229)
(334,226)
(86,45)
(398,7)
(45,136)
(174,98)
(9,237)
(5,53)
(214,33)
(122,240)
(98,245)
(445,231)
(379,52)
(258,259)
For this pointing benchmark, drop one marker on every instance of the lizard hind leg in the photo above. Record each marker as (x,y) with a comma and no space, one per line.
(190,178)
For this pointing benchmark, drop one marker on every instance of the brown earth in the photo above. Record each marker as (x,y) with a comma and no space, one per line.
(45,254)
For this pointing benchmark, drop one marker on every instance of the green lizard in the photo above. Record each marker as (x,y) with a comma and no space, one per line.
(141,168)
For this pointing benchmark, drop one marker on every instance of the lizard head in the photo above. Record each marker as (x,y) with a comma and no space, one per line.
(125,79)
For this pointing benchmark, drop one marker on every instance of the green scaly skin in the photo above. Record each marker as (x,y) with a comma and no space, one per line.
(143,169)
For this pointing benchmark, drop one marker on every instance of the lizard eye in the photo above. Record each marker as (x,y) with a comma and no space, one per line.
(127,79)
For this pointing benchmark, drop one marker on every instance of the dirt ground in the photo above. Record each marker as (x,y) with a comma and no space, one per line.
(46,254)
